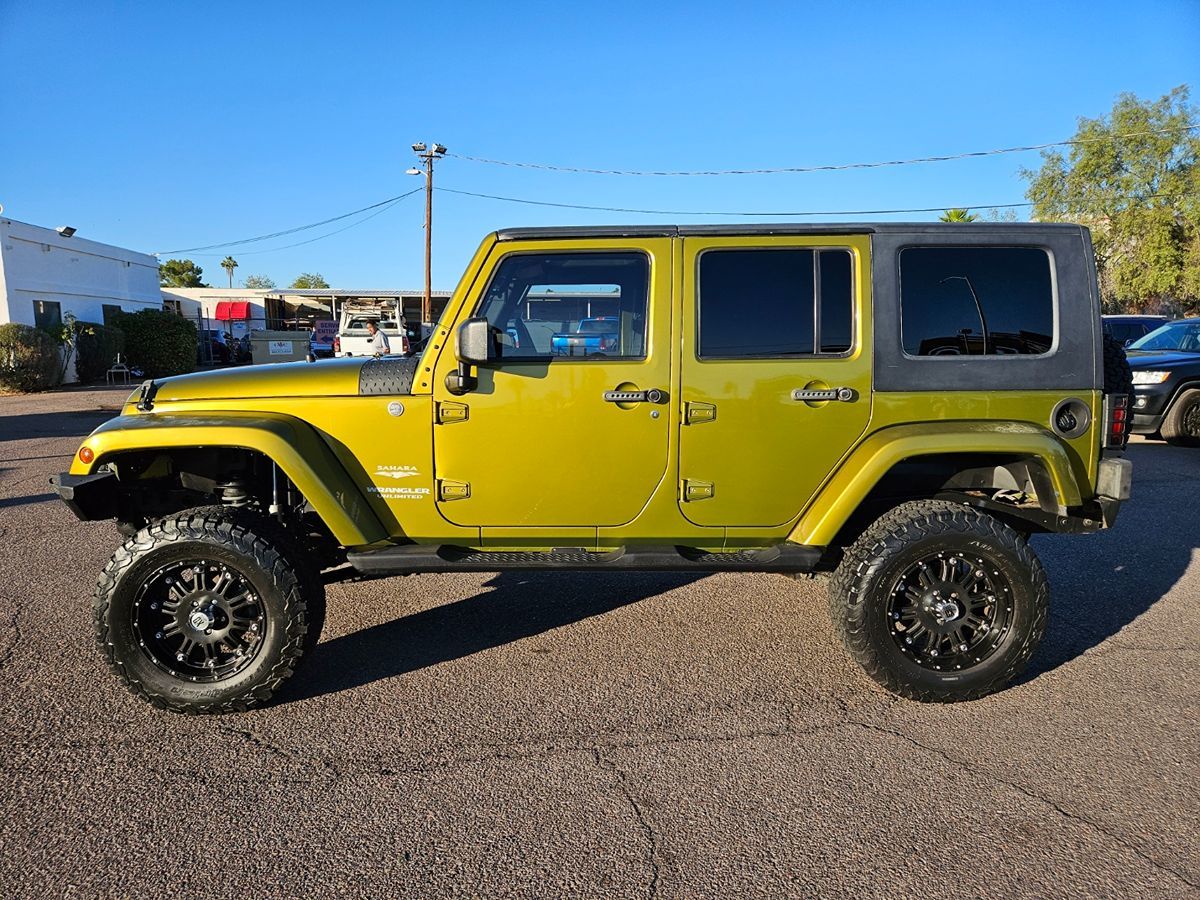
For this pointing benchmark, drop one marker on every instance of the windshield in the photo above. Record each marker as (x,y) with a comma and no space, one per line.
(597,326)
(1182,336)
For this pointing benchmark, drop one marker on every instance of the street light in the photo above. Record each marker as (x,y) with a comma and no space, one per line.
(427,156)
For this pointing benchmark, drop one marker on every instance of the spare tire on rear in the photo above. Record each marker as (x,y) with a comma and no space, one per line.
(1118,377)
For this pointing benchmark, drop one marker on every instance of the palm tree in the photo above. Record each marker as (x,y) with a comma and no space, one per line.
(958,215)
(229,264)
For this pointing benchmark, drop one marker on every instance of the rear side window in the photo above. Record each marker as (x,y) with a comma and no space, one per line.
(976,301)
(762,304)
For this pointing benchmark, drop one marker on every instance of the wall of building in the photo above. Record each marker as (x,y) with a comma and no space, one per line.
(45,277)
(200,306)
(39,265)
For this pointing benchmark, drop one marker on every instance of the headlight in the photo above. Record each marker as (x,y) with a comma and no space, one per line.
(1150,377)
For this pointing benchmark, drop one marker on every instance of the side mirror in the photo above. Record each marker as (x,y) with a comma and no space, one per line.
(474,345)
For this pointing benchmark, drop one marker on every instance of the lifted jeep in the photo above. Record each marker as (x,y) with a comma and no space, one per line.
(899,405)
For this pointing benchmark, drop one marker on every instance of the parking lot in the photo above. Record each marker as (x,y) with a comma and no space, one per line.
(616,735)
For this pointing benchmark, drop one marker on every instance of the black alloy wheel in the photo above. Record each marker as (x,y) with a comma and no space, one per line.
(199,619)
(950,611)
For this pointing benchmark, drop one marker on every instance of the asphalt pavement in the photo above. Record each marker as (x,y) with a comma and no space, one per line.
(604,735)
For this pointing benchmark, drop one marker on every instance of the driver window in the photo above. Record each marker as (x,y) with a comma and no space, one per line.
(569,305)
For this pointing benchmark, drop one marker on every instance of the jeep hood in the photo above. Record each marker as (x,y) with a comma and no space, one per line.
(334,377)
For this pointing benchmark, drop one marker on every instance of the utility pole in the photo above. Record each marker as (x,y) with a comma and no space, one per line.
(427,155)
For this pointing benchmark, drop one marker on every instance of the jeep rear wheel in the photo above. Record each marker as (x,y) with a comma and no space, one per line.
(202,614)
(939,602)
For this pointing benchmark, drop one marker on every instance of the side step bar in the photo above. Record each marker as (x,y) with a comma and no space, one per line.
(413,558)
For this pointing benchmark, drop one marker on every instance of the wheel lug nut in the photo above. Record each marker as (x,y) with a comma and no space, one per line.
(158,635)
(962,647)
(908,640)
(895,615)
(208,631)
(179,656)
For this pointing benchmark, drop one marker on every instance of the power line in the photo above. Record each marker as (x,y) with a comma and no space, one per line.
(287,231)
(678,212)
(321,237)
(826,168)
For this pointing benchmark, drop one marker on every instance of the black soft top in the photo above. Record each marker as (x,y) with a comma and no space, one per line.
(784,228)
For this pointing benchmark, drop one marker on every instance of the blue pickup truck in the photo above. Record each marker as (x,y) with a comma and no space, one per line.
(596,335)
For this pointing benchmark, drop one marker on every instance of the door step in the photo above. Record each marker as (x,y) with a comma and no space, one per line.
(414,558)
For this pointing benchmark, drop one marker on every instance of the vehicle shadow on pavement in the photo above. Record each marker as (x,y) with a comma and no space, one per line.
(514,605)
(53,424)
(1101,583)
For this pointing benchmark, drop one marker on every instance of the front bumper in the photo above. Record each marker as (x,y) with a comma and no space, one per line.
(90,497)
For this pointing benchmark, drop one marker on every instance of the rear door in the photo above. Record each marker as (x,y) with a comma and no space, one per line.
(776,372)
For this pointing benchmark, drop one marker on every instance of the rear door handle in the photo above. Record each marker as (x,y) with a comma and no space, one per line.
(844,394)
(654,395)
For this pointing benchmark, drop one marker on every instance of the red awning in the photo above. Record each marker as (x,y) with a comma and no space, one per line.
(228,310)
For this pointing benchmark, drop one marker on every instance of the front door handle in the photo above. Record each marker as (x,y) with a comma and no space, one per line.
(654,395)
(844,394)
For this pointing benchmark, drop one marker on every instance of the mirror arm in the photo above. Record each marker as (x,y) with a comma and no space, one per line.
(461,381)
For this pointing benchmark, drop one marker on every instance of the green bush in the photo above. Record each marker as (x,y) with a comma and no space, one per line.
(96,349)
(159,343)
(29,358)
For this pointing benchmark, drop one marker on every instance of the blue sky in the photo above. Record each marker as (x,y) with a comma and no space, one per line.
(163,126)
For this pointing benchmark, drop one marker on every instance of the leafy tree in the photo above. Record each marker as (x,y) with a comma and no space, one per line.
(1134,180)
(68,336)
(259,282)
(229,264)
(958,215)
(309,281)
(180,273)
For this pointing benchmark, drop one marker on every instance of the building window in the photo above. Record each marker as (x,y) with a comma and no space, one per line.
(47,315)
(769,304)
(569,305)
(109,310)
(976,301)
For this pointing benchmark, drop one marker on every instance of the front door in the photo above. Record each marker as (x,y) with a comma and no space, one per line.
(559,432)
(776,372)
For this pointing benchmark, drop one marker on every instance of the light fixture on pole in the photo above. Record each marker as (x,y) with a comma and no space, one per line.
(427,157)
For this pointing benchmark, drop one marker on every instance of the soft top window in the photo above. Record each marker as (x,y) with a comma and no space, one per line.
(976,301)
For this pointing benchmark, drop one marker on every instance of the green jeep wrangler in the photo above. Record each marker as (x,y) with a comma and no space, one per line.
(898,405)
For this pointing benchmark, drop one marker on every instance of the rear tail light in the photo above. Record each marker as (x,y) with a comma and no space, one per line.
(337,345)
(404,345)
(1116,419)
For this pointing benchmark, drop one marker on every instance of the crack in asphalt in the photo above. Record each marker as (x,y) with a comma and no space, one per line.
(272,749)
(639,815)
(1117,839)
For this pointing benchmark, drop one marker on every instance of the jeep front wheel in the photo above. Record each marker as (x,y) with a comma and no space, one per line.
(201,614)
(939,602)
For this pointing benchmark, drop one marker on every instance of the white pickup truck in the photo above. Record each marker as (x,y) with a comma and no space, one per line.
(353,339)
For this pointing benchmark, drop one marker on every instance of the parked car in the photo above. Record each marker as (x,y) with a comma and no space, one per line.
(1128,329)
(213,347)
(1166,382)
(767,409)
(591,336)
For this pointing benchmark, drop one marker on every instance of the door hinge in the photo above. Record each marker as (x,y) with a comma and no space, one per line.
(449,411)
(694,413)
(697,490)
(453,490)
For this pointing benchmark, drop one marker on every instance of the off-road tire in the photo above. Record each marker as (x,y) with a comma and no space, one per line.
(858,598)
(1181,424)
(1118,376)
(291,597)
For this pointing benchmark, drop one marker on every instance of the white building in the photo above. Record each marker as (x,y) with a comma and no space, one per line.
(44,275)
(235,310)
